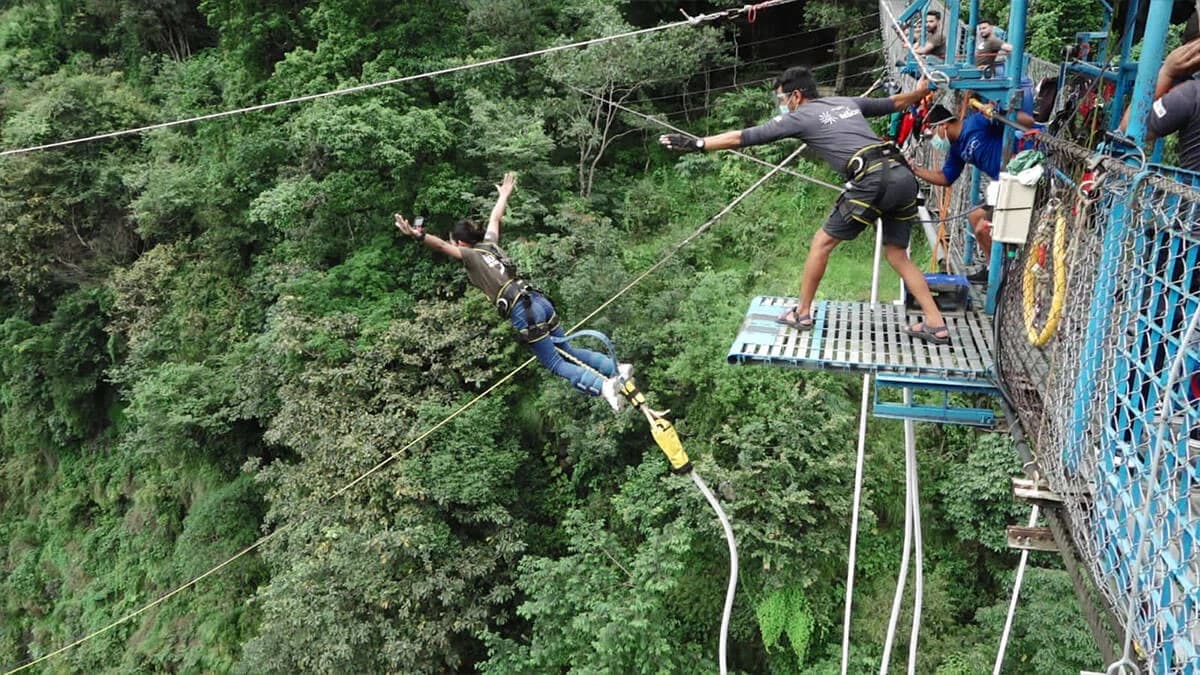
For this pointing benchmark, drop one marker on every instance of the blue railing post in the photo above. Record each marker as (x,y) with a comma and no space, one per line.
(1153,50)
(972,21)
(950,29)
(1131,13)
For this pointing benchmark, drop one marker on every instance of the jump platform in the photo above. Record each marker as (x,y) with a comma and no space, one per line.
(858,337)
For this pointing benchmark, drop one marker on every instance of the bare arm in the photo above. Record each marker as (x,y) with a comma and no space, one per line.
(930,176)
(429,240)
(725,141)
(683,143)
(905,99)
(1180,63)
(505,188)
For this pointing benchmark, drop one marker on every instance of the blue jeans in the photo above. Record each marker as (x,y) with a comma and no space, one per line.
(583,368)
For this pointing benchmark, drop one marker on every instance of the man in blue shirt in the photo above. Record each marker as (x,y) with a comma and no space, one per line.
(975,140)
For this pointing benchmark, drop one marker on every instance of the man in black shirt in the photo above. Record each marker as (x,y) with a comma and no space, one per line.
(1177,98)
(879,183)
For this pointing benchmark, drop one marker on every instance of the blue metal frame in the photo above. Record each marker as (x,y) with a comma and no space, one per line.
(943,414)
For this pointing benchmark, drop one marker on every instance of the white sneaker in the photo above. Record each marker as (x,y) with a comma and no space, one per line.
(610,389)
(625,370)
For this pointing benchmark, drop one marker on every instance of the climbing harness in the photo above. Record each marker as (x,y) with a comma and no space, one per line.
(1052,219)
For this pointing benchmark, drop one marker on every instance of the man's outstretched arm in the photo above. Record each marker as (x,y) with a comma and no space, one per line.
(682,143)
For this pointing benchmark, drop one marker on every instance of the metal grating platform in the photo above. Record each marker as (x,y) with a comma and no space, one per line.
(861,337)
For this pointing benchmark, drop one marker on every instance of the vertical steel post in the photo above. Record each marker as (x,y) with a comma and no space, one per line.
(1153,49)
(1117,108)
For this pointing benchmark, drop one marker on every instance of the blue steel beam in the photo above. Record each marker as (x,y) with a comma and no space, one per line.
(1153,49)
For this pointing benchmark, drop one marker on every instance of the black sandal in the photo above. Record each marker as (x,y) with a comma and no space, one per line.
(801,322)
(938,335)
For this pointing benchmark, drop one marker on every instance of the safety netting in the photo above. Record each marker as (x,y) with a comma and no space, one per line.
(1098,351)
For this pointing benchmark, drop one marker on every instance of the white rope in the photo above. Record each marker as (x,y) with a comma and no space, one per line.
(901,576)
(397,80)
(1126,663)
(913,490)
(859,458)
(1012,603)
(733,567)
(912,543)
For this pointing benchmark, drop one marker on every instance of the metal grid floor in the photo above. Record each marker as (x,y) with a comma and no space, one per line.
(862,337)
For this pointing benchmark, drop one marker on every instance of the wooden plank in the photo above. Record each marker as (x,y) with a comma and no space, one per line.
(1039,492)
(1031,538)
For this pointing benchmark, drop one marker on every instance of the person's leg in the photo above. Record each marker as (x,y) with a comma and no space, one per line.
(851,215)
(914,280)
(814,269)
(586,357)
(581,377)
(899,207)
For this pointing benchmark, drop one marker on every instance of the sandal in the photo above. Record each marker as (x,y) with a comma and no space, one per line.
(800,322)
(938,335)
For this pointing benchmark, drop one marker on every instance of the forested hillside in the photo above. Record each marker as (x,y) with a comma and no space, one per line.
(207,331)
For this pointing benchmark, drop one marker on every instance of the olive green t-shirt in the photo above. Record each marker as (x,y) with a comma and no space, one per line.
(488,268)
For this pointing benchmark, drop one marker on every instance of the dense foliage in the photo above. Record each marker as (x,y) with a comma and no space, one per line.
(207,331)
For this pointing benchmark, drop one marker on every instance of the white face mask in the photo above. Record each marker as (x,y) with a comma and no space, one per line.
(783,109)
(940,143)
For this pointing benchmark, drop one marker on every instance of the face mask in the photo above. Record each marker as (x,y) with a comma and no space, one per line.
(783,109)
(940,143)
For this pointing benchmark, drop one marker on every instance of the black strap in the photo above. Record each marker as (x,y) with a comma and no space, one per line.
(510,293)
(538,331)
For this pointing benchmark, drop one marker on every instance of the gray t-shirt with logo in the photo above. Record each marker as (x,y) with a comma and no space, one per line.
(834,127)
(1179,110)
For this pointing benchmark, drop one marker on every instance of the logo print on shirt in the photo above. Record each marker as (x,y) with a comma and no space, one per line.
(493,262)
(836,113)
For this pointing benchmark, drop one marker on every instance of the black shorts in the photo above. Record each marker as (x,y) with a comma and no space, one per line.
(856,208)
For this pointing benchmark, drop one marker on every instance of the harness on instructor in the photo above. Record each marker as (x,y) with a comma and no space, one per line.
(873,158)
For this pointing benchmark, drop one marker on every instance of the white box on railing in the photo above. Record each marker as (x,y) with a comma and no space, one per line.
(1014,210)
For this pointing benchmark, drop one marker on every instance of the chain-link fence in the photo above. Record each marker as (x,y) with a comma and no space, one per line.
(1111,398)
(1098,350)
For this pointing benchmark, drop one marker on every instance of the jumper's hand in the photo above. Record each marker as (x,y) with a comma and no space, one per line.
(404,226)
(509,183)
(681,143)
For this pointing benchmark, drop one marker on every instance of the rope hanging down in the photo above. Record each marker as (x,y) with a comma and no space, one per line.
(427,433)
(691,21)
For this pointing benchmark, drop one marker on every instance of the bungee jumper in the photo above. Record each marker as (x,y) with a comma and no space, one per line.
(880,184)
(531,313)
(537,325)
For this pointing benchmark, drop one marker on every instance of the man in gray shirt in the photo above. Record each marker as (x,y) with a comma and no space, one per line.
(880,185)
(935,42)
